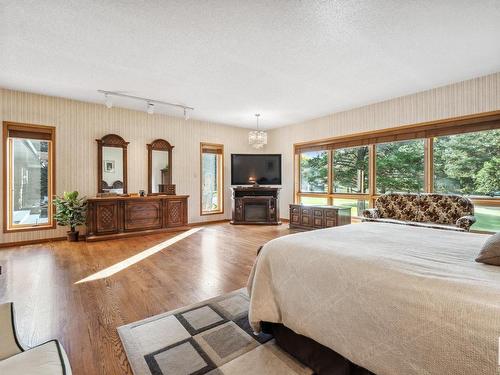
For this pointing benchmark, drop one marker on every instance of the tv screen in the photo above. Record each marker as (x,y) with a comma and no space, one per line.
(263,169)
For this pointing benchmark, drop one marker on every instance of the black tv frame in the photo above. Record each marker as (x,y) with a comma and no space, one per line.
(280,168)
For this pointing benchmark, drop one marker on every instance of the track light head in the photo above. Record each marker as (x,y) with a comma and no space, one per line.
(150,108)
(107,101)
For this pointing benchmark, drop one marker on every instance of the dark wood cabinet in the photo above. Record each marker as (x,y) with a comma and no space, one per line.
(316,217)
(114,217)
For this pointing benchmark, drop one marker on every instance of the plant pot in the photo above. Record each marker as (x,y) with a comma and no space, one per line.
(72,236)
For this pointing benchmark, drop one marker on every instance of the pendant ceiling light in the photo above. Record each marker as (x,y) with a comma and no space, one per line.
(257,138)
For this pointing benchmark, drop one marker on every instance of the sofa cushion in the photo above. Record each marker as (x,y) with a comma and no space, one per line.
(437,226)
(46,359)
(443,208)
(417,224)
(398,206)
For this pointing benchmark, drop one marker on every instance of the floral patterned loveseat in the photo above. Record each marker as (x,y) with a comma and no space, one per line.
(441,211)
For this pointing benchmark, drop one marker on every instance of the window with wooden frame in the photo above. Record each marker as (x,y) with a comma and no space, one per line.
(28,177)
(459,155)
(212,178)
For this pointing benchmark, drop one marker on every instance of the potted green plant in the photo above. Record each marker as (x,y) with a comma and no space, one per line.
(70,211)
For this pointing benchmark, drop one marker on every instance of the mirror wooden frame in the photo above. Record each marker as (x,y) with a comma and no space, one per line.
(111,140)
(158,145)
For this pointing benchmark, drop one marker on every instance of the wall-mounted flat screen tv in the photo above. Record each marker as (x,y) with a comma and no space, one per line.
(248,169)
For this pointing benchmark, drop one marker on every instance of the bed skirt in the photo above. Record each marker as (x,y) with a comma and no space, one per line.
(319,358)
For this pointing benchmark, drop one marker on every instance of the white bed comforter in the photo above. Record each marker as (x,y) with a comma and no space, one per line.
(394,299)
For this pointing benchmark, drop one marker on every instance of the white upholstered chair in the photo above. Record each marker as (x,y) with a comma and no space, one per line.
(45,359)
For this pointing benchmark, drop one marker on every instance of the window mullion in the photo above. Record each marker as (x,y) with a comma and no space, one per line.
(428,165)
(372,179)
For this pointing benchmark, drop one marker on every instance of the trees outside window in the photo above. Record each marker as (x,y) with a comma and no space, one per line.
(314,171)
(400,167)
(350,170)
(464,163)
(468,164)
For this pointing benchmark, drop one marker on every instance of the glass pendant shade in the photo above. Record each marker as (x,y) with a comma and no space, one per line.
(257,138)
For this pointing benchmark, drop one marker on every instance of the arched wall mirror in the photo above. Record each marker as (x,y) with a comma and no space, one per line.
(159,166)
(112,164)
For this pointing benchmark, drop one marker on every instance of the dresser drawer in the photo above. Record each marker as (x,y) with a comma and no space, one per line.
(318,212)
(331,213)
(306,211)
(294,210)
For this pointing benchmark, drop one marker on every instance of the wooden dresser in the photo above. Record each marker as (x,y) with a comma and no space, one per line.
(317,217)
(115,217)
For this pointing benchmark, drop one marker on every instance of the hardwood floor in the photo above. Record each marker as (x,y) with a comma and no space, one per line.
(42,282)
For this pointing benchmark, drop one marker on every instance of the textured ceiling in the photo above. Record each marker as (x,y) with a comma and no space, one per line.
(289,60)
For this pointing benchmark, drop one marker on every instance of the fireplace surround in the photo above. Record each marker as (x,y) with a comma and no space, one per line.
(255,205)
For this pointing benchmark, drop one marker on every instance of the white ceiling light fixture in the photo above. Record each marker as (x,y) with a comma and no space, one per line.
(257,138)
(150,103)
(150,108)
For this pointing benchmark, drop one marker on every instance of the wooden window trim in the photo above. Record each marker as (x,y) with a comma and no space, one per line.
(41,132)
(426,131)
(451,126)
(218,149)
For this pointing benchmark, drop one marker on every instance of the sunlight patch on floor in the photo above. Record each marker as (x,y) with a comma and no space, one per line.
(120,266)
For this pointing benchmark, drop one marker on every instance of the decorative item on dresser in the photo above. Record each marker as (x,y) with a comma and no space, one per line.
(256,205)
(316,217)
(115,217)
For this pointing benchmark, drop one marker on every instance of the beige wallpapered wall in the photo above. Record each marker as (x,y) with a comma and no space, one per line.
(79,124)
(468,97)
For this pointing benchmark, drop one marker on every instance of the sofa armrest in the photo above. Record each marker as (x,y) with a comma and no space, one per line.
(9,344)
(465,222)
(371,213)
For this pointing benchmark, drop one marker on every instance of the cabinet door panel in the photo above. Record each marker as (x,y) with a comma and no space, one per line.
(306,220)
(330,222)
(175,213)
(106,217)
(318,222)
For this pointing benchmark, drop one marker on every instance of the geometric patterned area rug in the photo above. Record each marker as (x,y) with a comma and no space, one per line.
(211,337)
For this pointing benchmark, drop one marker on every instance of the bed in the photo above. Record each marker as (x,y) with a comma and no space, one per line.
(392,299)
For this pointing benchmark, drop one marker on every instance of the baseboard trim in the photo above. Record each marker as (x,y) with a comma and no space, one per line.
(30,242)
(202,223)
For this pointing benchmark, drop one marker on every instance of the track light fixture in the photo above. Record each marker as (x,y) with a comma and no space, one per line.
(108,101)
(150,103)
(150,108)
